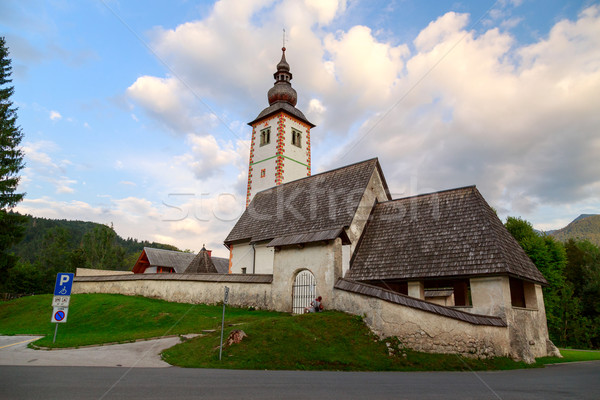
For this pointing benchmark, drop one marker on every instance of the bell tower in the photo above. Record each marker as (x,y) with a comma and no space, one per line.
(280,148)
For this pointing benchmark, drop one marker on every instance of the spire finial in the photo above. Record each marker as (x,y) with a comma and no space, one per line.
(284,39)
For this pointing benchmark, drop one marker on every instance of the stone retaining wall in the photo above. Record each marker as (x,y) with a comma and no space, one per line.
(424,331)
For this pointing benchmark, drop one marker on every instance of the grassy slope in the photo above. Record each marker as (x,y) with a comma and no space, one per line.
(99,318)
(326,341)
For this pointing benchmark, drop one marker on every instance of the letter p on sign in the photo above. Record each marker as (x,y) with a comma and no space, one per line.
(64,282)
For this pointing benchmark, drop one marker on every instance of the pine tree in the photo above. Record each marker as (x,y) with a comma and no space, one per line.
(11,162)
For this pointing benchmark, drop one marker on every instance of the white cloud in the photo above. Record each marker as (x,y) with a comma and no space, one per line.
(207,157)
(462,108)
(471,109)
(55,115)
(41,167)
(326,9)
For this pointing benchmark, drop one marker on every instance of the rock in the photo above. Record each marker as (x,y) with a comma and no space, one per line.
(236,336)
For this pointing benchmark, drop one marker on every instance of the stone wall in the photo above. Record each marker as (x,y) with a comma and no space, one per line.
(184,288)
(525,337)
(99,272)
(424,331)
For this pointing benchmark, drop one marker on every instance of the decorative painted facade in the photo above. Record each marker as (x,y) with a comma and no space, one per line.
(280,144)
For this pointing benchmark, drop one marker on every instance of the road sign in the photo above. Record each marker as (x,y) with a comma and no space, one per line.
(59,314)
(61,301)
(64,282)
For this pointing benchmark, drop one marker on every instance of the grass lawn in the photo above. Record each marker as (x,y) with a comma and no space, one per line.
(325,341)
(570,355)
(106,318)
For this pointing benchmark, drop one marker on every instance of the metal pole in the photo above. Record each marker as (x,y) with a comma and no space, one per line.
(225,299)
(55,330)
(222,327)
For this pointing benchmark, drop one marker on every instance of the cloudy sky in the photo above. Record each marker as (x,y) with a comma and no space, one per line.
(135,112)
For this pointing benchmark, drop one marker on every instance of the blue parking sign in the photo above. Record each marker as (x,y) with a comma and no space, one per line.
(64,282)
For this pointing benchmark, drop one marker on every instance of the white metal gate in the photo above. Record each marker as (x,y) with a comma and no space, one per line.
(304,291)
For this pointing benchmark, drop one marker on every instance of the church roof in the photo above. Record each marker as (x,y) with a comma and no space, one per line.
(282,96)
(201,264)
(281,106)
(310,209)
(445,234)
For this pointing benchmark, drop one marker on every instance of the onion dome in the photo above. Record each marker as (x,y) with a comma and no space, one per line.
(282,89)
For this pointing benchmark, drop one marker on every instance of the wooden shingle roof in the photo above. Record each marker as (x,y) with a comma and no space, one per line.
(179,260)
(168,258)
(452,233)
(305,209)
(201,264)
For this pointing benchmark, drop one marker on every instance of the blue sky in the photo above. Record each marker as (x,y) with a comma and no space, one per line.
(135,112)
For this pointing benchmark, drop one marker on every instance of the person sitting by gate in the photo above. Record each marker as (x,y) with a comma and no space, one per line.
(315,306)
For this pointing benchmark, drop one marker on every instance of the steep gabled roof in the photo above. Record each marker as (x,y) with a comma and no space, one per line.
(311,207)
(450,233)
(201,264)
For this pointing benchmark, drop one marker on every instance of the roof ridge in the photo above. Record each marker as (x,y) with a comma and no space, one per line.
(430,193)
(171,251)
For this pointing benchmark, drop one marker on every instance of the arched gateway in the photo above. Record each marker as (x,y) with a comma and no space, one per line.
(304,291)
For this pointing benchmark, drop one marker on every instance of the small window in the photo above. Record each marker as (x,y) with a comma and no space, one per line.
(265,136)
(296,137)
(243,270)
(263,172)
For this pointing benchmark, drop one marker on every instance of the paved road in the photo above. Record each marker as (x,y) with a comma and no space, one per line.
(566,381)
(14,351)
(31,380)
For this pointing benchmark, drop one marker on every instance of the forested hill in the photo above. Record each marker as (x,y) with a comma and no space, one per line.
(60,237)
(586,226)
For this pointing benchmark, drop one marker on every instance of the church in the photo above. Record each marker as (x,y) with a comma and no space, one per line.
(438,270)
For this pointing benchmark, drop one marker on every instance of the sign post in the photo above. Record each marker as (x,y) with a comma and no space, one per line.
(225,301)
(61,300)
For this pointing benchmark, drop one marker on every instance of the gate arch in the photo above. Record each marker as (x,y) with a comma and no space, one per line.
(304,291)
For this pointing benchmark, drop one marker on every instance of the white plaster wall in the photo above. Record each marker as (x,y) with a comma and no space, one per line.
(490,295)
(268,150)
(241,257)
(292,170)
(295,152)
(261,153)
(375,190)
(527,327)
(345,259)
(323,260)
(259,184)
(264,259)
(240,294)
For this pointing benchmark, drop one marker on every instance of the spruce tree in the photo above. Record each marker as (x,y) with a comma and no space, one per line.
(11,162)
